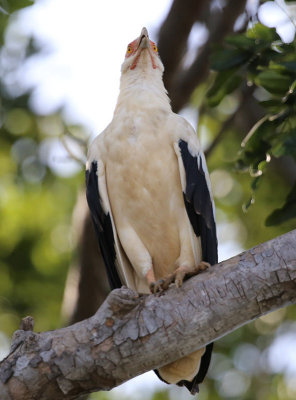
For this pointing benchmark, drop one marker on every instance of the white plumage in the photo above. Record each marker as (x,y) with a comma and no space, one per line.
(152,211)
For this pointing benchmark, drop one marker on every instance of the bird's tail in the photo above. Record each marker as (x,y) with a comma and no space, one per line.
(188,371)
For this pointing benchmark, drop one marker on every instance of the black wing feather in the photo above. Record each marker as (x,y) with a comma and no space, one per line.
(200,212)
(199,204)
(103,225)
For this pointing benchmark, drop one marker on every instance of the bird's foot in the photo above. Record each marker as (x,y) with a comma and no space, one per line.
(177,277)
(157,287)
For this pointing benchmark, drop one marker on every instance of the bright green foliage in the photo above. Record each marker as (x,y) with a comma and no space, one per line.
(255,61)
(260,59)
(226,82)
(36,237)
(285,213)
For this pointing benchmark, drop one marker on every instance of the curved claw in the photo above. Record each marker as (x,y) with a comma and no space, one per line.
(177,277)
(156,287)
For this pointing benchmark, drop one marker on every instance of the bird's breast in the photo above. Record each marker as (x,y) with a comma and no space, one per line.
(145,191)
(143,167)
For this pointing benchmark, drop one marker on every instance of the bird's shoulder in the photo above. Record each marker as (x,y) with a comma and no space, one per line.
(182,130)
(96,149)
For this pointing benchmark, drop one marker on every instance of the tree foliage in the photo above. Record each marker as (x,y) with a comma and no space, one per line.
(37,201)
(261,59)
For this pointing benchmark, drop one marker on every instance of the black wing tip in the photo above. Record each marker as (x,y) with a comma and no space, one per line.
(102,225)
(198,204)
(193,386)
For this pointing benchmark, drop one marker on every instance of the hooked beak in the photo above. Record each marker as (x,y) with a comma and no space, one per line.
(143,43)
(144,39)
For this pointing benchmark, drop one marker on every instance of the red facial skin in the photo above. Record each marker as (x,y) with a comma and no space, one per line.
(133,48)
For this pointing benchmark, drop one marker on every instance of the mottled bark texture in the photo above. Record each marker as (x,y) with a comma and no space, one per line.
(131,334)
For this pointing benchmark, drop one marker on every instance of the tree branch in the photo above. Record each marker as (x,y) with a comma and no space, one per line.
(174,32)
(131,334)
(220,25)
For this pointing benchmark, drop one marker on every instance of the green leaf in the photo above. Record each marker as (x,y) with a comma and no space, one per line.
(257,132)
(275,66)
(6,9)
(288,211)
(220,79)
(260,31)
(285,144)
(255,183)
(256,147)
(274,82)
(14,5)
(251,44)
(272,105)
(224,59)
(241,42)
(289,65)
(225,83)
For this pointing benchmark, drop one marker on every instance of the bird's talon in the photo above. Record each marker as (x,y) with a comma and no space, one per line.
(179,278)
(156,287)
(151,287)
(202,266)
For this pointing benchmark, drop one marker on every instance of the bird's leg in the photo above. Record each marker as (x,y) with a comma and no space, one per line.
(186,272)
(154,286)
(178,277)
(150,278)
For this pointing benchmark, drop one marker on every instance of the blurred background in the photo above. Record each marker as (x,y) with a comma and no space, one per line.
(231,71)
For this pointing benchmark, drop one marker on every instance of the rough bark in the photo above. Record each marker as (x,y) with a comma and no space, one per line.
(132,333)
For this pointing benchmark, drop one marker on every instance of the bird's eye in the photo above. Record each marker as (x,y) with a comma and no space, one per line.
(155,48)
(129,49)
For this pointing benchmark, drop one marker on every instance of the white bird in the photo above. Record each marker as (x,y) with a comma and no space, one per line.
(149,194)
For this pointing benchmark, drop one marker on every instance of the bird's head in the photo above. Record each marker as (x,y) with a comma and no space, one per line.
(142,54)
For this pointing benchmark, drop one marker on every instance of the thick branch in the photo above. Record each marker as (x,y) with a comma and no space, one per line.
(131,334)
(174,32)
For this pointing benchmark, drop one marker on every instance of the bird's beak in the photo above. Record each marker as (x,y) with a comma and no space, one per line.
(144,39)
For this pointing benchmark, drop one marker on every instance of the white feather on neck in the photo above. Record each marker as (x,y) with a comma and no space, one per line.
(142,87)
